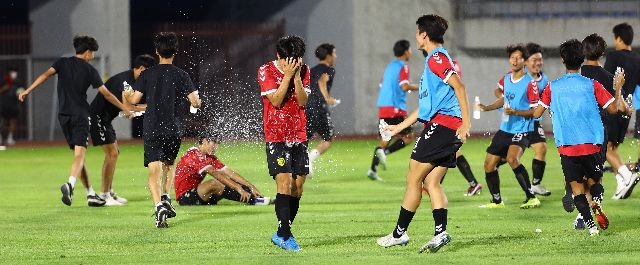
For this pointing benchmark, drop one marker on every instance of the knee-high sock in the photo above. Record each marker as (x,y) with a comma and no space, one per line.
(465,169)
(523,179)
(375,161)
(294,204)
(583,207)
(440,219)
(493,182)
(283,214)
(537,166)
(395,146)
(404,219)
(597,192)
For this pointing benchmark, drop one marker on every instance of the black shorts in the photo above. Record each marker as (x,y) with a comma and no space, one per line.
(579,168)
(502,140)
(616,127)
(164,149)
(636,131)
(396,121)
(319,122)
(537,136)
(9,113)
(101,130)
(288,158)
(436,145)
(75,129)
(191,197)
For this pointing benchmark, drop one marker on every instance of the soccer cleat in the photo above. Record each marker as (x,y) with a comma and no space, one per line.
(382,158)
(436,242)
(390,241)
(171,212)
(475,190)
(578,224)
(263,201)
(601,217)
(373,175)
(623,186)
(67,193)
(530,203)
(118,198)
(540,190)
(110,201)
(278,241)
(634,180)
(493,205)
(567,202)
(161,217)
(593,231)
(95,201)
(10,141)
(291,244)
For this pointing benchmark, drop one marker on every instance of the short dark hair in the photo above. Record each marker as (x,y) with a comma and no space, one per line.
(593,47)
(323,50)
(291,47)
(518,47)
(435,26)
(145,60)
(210,136)
(82,43)
(401,47)
(533,48)
(624,31)
(571,53)
(166,44)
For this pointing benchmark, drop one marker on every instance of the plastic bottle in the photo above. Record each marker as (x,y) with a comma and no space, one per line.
(505,117)
(476,108)
(385,135)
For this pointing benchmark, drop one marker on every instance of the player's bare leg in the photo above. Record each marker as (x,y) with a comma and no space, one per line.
(76,171)
(109,165)
(155,173)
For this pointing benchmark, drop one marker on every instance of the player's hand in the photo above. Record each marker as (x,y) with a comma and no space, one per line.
(618,79)
(244,195)
(255,192)
(463,132)
(482,107)
(289,67)
(509,111)
(392,129)
(298,69)
(331,101)
(127,114)
(23,95)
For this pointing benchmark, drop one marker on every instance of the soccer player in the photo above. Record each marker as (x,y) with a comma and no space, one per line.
(284,87)
(9,104)
(574,99)
(392,105)
(75,75)
(443,108)
(317,108)
(199,161)
(520,96)
(166,87)
(537,139)
(102,133)
(617,124)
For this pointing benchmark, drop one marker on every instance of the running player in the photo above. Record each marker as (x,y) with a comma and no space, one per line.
(443,108)
(102,133)
(75,75)
(392,105)
(578,129)
(317,108)
(617,124)
(537,139)
(165,87)
(199,161)
(284,87)
(520,97)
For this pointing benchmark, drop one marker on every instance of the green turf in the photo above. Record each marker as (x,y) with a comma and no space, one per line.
(341,215)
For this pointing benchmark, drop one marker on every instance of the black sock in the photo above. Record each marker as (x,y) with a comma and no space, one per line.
(440,219)
(230,194)
(493,182)
(375,161)
(165,197)
(583,207)
(283,214)
(404,219)
(465,169)
(397,145)
(597,192)
(523,179)
(537,166)
(294,204)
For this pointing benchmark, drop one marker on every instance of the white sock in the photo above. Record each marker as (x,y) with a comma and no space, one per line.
(313,155)
(105,195)
(624,172)
(72,181)
(10,136)
(90,191)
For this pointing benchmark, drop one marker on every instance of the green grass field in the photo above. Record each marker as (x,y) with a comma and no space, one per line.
(341,215)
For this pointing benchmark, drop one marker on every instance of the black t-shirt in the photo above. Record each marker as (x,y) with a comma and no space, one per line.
(316,100)
(630,62)
(599,74)
(115,84)
(165,87)
(74,78)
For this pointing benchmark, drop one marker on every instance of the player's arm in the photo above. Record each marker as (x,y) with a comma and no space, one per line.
(538,111)
(461,95)
(409,87)
(299,87)
(493,106)
(133,97)
(276,98)
(497,92)
(543,103)
(113,99)
(410,120)
(194,99)
(618,105)
(41,79)
(225,180)
(239,179)
(322,84)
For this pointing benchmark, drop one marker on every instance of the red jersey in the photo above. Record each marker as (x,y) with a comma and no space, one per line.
(286,123)
(192,169)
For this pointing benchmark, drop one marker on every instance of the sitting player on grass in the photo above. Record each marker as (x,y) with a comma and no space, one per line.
(199,161)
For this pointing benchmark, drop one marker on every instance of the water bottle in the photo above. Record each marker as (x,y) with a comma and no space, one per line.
(505,117)
(476,108)
(135,114)
(385,135)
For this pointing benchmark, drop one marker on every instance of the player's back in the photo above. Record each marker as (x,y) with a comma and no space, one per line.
(630,62)
(391,93)
(165,87)
(115,85)
(316,99)
(74,78)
